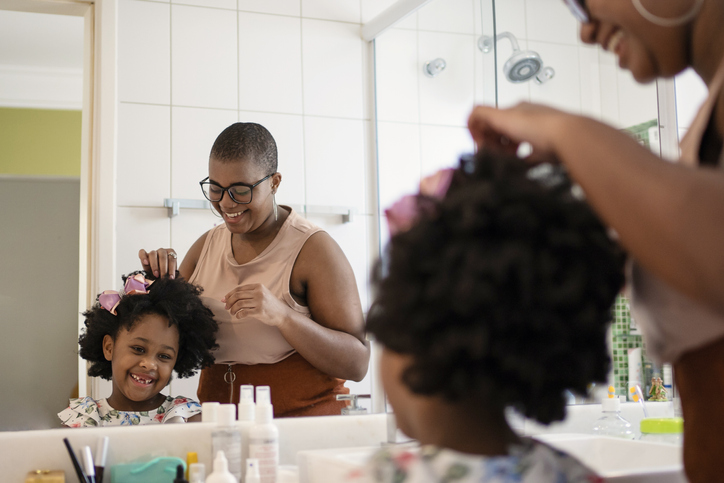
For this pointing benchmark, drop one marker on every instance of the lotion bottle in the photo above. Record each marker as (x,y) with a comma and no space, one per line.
(264,437)
(221,471)
(227,438)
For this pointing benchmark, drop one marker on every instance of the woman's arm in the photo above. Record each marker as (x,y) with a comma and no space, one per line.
(668,216)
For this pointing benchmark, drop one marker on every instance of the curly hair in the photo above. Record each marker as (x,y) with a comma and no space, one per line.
(176,300)
(501,291)
(246,140)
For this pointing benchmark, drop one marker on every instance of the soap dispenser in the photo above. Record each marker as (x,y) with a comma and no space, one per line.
(611,423)
(221,471)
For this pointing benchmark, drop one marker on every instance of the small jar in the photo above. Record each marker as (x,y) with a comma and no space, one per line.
(663,430)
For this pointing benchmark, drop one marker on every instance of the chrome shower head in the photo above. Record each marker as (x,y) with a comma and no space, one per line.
(523,65)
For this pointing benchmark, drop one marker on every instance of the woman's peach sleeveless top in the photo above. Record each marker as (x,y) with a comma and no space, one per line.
(671,322)
(248,340)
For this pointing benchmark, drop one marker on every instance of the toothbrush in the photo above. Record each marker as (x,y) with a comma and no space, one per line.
(638,396)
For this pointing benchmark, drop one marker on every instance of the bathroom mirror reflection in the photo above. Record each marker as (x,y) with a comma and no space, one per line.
(495,53)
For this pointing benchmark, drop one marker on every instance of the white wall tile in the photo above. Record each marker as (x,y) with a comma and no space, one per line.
(372,8)
(510,17)
(226,4)
(193,132)
(278,7)
(352,239)
(590,81)
(334,162)
(447,16)
(441,147)
(691,92)
(204,57)
(184,387)
(564,90)
(339,10)
(332,69)
(188,226)
(270,63)
(447,98)
(137,228)
(551,21)
(637,102)
(144,52)
(398,71)
(608,66)
(144,155)
(288,132)
(399,164)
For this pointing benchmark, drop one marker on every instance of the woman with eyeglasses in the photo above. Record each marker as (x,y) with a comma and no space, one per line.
(669,216)
(281,289)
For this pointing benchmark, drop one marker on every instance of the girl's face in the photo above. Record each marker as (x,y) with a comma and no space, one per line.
(647,50)
(403,401)
(243,218)
(142,361)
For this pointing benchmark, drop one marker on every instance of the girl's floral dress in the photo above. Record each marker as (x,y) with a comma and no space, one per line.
(86,412)
(529,462)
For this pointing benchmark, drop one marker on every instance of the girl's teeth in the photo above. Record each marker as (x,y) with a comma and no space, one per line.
(143,381)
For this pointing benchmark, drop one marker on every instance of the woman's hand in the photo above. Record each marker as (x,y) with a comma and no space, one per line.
(159,262)
(255,300)
(503,130)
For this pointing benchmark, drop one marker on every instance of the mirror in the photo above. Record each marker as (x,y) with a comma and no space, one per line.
(432,67)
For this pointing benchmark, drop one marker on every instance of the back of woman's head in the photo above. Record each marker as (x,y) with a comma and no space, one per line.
(174,299)
(500,291)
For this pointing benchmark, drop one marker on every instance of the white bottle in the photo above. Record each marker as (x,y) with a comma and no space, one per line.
(611,423)
(246,403)
(197,473)
(221,471)
(252,471)
(264,437)
(227,438)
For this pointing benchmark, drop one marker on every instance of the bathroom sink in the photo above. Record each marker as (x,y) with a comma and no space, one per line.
(616,460)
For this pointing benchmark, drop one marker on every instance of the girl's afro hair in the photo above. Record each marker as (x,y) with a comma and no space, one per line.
(501,291)
(174,299)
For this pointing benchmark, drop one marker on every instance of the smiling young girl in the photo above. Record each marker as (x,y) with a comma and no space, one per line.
(137,340)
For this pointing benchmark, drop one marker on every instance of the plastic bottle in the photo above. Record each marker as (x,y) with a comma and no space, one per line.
(227,438)
(264,437)
(611,423)
(221,472)
(246,403)
(197,473)
(252,471)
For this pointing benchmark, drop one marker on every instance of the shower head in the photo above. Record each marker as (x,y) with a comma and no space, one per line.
(523,65)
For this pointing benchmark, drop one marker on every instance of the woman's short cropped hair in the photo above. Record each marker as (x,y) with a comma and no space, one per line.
(246,141)
(172,298)
(500,291)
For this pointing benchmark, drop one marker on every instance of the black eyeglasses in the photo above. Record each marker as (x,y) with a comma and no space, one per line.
(579,10)
(238,192)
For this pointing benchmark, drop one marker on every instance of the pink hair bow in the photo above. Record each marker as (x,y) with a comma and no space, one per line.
(137,284)
(404,213)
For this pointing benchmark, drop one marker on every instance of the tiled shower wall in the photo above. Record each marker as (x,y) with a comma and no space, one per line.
(189,68)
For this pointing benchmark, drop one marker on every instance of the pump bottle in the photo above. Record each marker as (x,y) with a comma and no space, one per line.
(264,437)
(227,438)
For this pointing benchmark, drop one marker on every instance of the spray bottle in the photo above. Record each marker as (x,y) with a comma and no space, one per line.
(264,437)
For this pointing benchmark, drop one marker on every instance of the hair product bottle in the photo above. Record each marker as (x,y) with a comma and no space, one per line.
(246,403)
(264,437)
(221,472)
(227,438)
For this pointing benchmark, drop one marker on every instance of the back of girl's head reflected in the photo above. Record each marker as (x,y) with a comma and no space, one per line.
(176,301)
(500,292)
(243,141)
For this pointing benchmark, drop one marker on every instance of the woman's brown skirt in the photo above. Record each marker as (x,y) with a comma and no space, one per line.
(297,387)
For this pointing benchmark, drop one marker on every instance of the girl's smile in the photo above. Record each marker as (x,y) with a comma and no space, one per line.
(143,359)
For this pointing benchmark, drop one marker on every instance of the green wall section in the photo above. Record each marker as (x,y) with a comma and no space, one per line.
(40,142)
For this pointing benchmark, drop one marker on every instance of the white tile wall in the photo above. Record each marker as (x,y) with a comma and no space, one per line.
(225,4)
(550,21)
(146,50)
(278,7)
(332,69)
(564,90)
(193,132)
(398,73)
(334,162)
(146,228)
(372,8)
(441,147)
(144,155)
(399,163)
(510,16)
(637,102)
(340,10)
(691,92)
(456,16)
(447,98)
(266,85)
(204,57)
